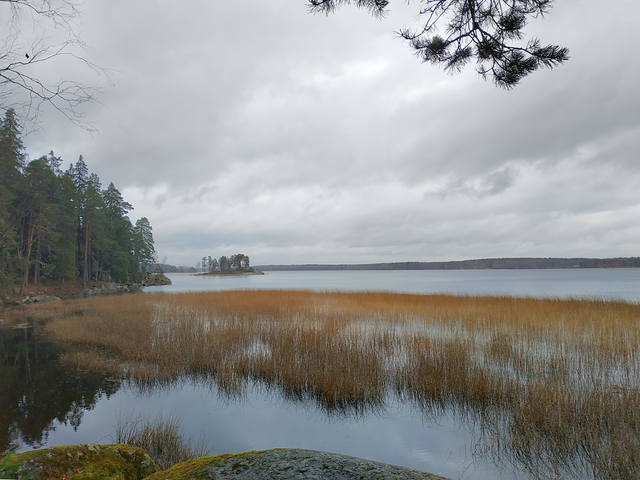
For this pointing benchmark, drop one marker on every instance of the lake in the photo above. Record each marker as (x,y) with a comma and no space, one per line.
(45,404)
(609,283)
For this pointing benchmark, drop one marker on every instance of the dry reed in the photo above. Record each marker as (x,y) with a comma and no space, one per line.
(161,437)
(555,383)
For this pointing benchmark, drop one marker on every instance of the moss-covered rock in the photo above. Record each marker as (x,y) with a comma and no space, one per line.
(196,468)
(287,464)
(80,462)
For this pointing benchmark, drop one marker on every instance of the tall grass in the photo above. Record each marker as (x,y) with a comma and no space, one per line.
(553,383)
(161,437)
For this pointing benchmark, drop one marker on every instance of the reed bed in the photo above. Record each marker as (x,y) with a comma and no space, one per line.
(553,384)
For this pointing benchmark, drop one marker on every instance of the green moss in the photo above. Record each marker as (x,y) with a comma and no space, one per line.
(196,469)
(82,462)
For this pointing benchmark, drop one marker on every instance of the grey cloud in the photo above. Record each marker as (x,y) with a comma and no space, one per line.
(254,126)
(493,183)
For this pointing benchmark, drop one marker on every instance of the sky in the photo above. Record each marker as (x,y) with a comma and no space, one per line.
(254,126)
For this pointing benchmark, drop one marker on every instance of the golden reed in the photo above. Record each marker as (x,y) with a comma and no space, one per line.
(554,383)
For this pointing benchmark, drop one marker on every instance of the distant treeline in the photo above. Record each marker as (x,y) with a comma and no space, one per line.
(478,264)
(61,225)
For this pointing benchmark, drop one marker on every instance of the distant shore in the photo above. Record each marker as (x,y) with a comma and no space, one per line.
(476,264)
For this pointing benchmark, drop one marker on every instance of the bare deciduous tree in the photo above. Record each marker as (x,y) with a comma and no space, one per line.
(490,32)
(23,85)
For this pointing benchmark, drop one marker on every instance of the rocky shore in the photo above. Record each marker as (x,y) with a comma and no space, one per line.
(123,462)
(105,288)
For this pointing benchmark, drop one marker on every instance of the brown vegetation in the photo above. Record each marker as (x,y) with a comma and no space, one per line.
(553,383)
(161,437)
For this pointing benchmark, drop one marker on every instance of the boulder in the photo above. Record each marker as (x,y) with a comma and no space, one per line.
(108,289)
(80,462)
(154,279)
(45,299)
(287,464)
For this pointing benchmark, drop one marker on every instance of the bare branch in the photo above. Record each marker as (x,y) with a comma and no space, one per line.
(23,85)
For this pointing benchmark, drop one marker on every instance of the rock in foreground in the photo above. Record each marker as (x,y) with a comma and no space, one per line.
(80,462)
(287,464)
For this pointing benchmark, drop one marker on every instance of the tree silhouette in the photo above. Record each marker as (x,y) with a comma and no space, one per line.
(456,32)
(21,87)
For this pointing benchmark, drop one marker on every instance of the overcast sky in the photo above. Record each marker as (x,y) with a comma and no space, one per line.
(253,126)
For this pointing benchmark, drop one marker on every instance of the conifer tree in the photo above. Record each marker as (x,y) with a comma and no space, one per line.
(117,234)
(38,214)
(224,264)
(143,247)
(65,248)
(58,226)
(11,153)
(11,184)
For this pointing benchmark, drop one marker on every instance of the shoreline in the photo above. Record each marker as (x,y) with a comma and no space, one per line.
(50,292)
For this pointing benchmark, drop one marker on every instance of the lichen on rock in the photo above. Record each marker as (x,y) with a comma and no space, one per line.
(287,464)
(123,462)
(81,462)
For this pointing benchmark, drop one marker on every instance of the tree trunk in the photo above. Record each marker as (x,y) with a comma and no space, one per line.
(27,255)
(36,270)
(85,257)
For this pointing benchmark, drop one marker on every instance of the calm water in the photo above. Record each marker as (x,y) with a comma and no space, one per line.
(42,403)
(260,419)
(46,405)
(600,283)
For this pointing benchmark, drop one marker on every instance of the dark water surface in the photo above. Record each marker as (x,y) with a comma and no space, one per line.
(398,434)
(42,403)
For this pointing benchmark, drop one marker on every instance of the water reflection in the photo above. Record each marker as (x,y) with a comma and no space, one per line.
(237,389)
(36,392)
(45,404)
(258,417)
(436,398)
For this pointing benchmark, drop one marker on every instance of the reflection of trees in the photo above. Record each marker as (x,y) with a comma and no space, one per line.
(35,389)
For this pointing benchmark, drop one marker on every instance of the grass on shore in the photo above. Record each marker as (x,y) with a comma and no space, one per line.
(553,383)
(161,437)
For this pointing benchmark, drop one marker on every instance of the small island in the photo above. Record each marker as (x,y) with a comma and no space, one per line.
(237,264)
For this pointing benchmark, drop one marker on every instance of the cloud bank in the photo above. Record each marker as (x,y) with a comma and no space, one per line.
(298,138)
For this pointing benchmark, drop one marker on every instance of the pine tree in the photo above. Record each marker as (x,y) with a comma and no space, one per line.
(214,266)
(93,229)
(457,32)
(117,234)
(11,153)
(57,225)
(11,184)
(224,264)
(65,248)
(143,248)
(38,213)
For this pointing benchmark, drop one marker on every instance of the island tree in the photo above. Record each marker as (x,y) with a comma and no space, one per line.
(238,262)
